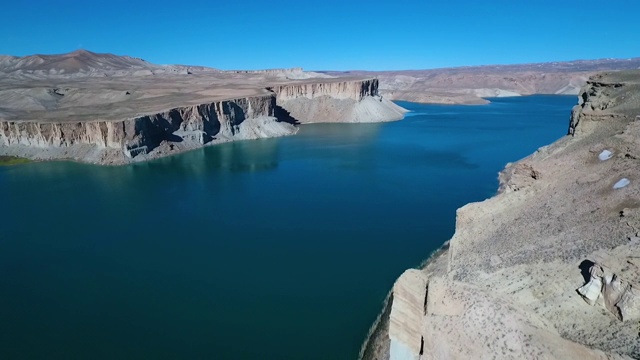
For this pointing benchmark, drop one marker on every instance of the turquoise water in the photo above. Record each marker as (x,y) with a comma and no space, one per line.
(271,249)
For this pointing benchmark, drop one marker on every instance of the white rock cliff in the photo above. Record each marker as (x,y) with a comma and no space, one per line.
(504,287)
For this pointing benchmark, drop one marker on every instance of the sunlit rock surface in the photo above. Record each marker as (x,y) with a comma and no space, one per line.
(505,285)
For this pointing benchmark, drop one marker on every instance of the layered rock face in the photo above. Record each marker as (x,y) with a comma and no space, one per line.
(185,127)
(146,136)
(337,101)
(109,109)
(354,90)
(548,268)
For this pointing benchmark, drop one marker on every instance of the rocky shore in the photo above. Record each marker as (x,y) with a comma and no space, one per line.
(547,268)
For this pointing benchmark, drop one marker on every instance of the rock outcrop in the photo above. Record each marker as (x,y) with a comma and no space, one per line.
(505,284)
(618,296)
(407,310)
(147,136)
(337,101)
(355,90)
(108,109)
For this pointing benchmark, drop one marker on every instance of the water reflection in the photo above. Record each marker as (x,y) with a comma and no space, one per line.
(276,236)
(239,156)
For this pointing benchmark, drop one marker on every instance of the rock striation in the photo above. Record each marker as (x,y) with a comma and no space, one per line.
(337,101)
(148,136)
(355,90)
(547,268)
(108,109)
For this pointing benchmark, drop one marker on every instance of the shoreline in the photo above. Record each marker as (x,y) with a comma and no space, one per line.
(18,151)
(13,160)
(507,287)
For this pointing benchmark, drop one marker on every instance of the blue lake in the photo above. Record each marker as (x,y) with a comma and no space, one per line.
(271,249)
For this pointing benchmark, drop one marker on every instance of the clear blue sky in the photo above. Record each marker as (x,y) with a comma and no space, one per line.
(326,34)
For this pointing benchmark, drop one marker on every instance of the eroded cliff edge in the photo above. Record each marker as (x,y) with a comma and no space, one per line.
(346,101)
(90,120)
(548,268)
(145,137)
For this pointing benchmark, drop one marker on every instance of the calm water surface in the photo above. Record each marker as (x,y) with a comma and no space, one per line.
(271,249)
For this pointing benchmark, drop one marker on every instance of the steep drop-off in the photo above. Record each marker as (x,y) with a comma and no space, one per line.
(180,128)
(548,268)
(344,101)
(109,109)
(145,137)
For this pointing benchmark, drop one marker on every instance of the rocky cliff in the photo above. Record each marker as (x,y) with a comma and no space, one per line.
(159,133)
(355,90)
(337,101)
(146,136)
(109,109)
(548,268)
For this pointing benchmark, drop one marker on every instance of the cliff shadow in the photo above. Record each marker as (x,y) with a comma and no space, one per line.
(153,129)
(584,267)
(235,115)
(284,116)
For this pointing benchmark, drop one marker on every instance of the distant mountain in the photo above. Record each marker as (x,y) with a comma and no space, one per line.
(87,63)
(555,66)
(472,84)
(461,85)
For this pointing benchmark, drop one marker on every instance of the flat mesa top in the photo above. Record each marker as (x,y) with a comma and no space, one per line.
(85,86)
(78,99)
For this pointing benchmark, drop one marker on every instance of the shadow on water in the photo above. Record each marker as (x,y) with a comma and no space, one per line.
(217,160)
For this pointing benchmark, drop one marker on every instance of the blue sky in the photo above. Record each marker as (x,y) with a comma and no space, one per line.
(327,35)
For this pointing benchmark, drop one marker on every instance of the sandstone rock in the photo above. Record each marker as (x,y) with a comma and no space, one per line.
(618,296)
(349,101)
(591,291)
(407,311)
(105,108)
(193,126)
(508,289)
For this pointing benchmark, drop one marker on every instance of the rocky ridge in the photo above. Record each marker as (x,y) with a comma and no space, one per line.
(60,107)
(472,84)
(548,268)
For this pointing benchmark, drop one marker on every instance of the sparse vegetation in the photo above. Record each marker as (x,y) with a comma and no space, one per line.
(12,160)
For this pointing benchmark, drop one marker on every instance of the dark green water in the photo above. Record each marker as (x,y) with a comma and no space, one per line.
(271,249)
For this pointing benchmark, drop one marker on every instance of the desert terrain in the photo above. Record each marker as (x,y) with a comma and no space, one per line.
(548,268)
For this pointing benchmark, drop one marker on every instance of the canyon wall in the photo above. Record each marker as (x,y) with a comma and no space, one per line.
(548,267)
(337,101)
(180,128)
(146,136)
(354,89)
